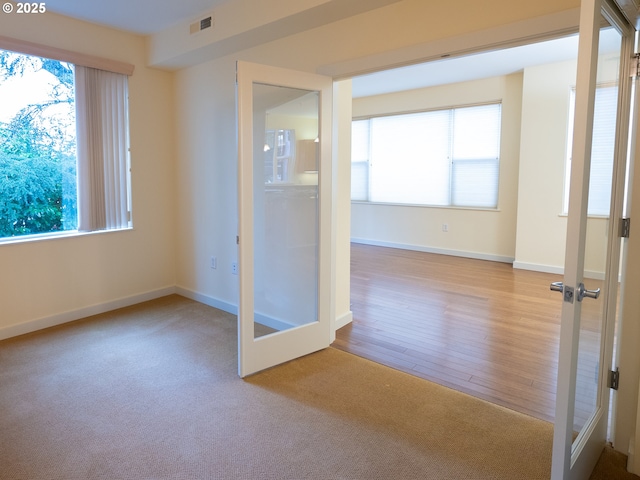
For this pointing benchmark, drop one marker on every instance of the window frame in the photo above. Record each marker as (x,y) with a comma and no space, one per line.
(451,160)
(77,59)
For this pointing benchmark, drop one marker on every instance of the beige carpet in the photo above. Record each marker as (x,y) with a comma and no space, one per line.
(151,392)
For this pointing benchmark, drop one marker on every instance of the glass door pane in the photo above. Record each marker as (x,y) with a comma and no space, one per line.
(587,399)
(285,207)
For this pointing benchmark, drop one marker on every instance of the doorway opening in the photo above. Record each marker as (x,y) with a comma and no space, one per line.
(523,237)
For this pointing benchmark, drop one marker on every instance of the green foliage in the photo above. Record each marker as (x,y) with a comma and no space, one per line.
(31,192)
(37,153)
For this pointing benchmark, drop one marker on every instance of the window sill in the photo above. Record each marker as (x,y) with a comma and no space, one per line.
(442,207)
(40,237)
(601,217)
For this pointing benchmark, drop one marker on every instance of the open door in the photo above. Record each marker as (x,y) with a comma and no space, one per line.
(285,215)
(589,292)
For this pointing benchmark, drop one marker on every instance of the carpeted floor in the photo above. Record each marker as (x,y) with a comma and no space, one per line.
(151,392)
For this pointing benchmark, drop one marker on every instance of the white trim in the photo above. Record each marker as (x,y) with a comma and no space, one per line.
(632,466)
(505,36)
(72,315)
(47,51)
(207,300)
(536,267)
(440,251)
(344,320)
(39,237)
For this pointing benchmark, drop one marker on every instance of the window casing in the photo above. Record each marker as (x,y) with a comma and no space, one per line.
(448,157)
(104,153)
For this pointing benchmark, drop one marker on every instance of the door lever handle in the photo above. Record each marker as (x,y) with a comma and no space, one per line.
(583,292)
(556,286)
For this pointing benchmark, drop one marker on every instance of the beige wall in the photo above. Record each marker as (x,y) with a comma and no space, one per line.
(186,211)
(206,179)
(532,175)
(486,234)
(206,172)
(48,281)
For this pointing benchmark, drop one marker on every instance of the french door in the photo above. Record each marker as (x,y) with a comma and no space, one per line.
(285,215)
(589,292)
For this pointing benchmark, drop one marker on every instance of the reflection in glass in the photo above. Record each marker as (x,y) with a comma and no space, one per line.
(285,205)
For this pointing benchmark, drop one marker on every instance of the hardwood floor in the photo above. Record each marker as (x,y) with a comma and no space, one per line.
(476,326)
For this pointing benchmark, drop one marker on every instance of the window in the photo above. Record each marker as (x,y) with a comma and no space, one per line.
(63,147)
(602,150)
(279,154)
(37,146)
(437,158)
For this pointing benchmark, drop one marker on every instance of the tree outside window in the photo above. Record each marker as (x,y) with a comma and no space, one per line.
(37,145)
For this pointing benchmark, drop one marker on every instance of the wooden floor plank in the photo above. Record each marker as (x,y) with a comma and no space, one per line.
(480,327)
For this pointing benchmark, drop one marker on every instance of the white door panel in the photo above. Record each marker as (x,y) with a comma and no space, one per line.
(285,215)
(589,304)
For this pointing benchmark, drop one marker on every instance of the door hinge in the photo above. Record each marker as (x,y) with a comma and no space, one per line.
(625,227)
(614,379)
(237,239)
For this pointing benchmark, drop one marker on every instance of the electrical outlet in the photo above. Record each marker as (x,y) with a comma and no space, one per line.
(214,263)
(445,227)
(234,268)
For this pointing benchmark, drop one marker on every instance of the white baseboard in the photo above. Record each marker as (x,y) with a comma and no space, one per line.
(631,456)
(343,320)
(207,300)
(70,316)
(536,267)
(340,322)
(440,251)
(230,308)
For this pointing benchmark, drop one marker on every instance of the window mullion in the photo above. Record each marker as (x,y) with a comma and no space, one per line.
(369,156)
(452,115)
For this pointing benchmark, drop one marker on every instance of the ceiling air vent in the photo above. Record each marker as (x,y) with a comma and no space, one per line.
(202,24)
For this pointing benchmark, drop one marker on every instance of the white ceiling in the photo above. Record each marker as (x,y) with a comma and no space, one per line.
(481,65)
(151,16)
(472,67)
(143,17)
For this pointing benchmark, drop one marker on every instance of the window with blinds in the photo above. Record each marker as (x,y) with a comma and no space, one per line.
(447,157)
(64,148)
(602,150)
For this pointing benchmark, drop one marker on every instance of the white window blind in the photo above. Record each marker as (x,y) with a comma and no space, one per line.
(360,160)
(476,154)
(602,150)
(103,148)
(442,157)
